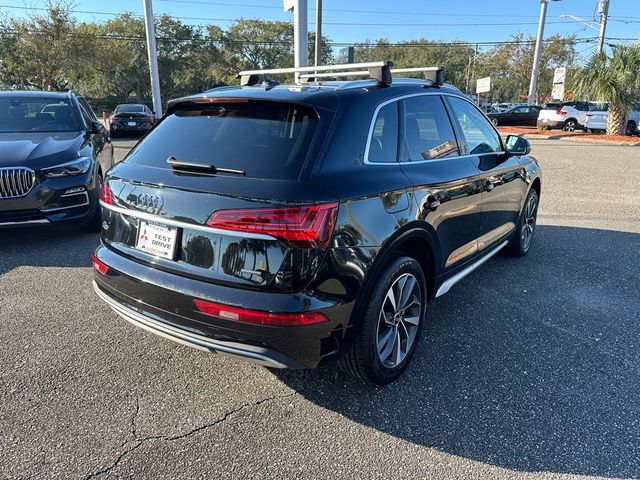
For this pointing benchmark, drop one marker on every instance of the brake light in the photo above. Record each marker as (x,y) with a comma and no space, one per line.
(258,317)
(105,194)
(561,111)
(304,225)
(100,267)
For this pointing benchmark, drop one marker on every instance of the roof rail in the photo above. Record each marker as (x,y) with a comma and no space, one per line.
(435,74)
(380,71)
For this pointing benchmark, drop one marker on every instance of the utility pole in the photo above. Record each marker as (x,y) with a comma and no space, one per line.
(536,55)
(153,58)
(603,9)
(318,49)
(300,40)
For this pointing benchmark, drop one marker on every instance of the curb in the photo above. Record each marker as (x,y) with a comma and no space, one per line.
(601,141)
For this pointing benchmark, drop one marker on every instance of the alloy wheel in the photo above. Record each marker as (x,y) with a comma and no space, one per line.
(569,126)
(398,320)
(529,224)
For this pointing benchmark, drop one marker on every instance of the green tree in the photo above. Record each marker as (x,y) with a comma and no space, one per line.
(509,66)
(40,51)
(614,79)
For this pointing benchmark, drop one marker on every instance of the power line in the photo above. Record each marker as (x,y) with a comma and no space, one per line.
(347,10)
(200,39)
(371,24)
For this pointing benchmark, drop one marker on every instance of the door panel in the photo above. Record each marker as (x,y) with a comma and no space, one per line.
(500,175)
(446,186)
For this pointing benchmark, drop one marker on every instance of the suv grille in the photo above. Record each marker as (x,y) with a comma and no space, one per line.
(16,181)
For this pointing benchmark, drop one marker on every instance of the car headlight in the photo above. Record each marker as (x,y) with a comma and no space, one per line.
(74,167)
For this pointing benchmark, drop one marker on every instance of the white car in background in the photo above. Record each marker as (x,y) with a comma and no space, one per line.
(597,121)
(568,116)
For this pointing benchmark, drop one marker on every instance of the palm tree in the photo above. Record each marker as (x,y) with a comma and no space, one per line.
(614,79)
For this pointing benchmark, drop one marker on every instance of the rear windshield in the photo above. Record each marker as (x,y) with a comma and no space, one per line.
(130,108)
(264,139)
(33,114)
(551,106)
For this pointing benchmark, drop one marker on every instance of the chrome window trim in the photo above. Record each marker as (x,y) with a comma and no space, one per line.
(175,223)
(417,162)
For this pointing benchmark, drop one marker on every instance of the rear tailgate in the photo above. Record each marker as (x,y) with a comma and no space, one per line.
(150,200)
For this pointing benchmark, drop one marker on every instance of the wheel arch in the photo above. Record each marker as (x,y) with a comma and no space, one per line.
(413,241)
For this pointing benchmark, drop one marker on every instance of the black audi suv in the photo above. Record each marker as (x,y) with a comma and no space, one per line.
(53,155)
(300,224)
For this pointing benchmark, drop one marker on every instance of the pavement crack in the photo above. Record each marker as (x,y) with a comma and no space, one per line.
(115,463)
(226,416)
(137,442)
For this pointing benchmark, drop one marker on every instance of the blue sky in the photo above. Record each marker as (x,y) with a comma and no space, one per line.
(345,21)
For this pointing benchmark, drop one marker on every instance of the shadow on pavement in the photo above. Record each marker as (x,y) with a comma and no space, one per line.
(529,364)
(56,246)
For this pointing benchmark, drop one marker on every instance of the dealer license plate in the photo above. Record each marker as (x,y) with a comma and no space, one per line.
(158,240)
(132,124)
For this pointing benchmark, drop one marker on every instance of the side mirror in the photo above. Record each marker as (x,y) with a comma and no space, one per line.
(96,127)
(517,145)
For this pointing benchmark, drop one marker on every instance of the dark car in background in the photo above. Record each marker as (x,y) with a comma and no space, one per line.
(295,225)
(53,156)
(131,118)
(522,115)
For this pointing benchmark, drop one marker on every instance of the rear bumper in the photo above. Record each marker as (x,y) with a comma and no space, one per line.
(254,354)
(163,303)
(551,123)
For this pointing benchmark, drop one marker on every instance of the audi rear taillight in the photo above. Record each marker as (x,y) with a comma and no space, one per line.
(105,194)
(258,317)
(306,226)
(99,267)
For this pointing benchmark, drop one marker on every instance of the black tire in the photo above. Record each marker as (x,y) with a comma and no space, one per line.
(364,360)
(631,127)
(570,125)
(520,243)
(495,122)
(94,225)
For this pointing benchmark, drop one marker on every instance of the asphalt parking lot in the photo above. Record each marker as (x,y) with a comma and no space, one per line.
(527,369)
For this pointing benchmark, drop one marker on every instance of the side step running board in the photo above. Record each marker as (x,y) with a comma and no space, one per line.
(444,288)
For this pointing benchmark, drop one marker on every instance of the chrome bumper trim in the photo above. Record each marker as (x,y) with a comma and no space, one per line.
(193,340)
(83,204)
(26,222)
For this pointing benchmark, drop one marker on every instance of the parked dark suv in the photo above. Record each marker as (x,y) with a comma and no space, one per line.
(294,225)
(53,154)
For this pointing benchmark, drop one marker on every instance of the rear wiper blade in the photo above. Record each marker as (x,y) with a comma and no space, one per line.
(200,168)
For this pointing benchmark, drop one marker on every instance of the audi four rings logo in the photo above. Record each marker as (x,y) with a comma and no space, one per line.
(150,203)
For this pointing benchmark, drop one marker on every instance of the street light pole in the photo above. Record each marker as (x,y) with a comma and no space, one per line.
(318,46)
(300,41)
(153,58)
(536,55)
(603,8)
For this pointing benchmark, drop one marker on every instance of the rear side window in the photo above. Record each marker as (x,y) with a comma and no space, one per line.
(478,132)
(383,145)
(264,139)
(428,133)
